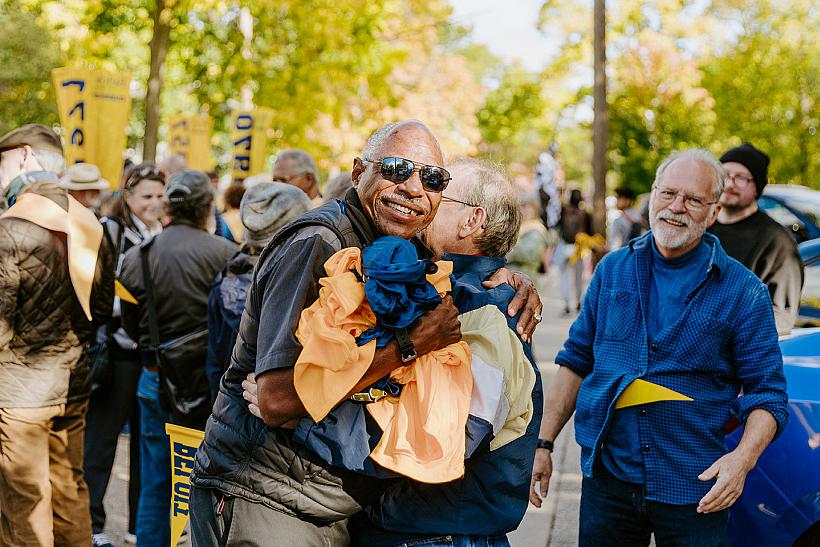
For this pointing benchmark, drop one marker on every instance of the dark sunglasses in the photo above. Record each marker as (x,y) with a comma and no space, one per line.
(398,170)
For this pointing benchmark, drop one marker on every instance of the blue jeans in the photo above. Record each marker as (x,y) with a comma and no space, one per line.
(461,541)
(614,512)
(153,515)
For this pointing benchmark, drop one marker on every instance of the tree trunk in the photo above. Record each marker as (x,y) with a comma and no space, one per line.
(160,42)
(600,121)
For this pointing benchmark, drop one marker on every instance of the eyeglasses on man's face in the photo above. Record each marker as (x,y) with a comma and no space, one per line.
(693,203)
(448,198)
(397,170)
(739,179)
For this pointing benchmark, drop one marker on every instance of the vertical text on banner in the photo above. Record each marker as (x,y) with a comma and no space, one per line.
(73,90)
(94,107)
(191,137)
(184,444)
(250,141)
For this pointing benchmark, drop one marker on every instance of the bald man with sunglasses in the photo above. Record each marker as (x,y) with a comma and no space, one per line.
(250,477)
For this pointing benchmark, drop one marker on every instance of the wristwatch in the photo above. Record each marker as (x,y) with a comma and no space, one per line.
(545,444)
(406,348)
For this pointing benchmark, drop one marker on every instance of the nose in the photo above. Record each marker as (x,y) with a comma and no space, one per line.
(678,205)
(412,187)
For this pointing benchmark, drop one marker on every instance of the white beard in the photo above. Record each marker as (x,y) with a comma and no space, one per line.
(673,237)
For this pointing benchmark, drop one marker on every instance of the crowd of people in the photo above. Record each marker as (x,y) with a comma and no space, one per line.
(359,358)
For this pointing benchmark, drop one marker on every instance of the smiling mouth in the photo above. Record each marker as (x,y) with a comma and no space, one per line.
(401,208)
(674,223)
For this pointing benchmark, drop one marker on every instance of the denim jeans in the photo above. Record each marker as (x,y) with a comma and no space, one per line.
(153,515)
(614,512)
(461,541)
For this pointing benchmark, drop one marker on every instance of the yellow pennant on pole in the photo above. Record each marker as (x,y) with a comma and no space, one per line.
(94,107)
(191,137)
(250,141)
(184,444)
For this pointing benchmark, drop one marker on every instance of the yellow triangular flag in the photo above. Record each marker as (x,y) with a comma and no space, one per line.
(641,392)
(123,294)
(184,444)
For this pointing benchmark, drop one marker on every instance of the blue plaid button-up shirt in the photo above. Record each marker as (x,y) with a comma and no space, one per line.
(725,341)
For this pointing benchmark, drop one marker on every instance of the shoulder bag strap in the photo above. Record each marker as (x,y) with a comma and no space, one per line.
(153,323)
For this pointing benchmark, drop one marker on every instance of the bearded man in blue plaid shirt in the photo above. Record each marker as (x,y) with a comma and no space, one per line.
(675,339)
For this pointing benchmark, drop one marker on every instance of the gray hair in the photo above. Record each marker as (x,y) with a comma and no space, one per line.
(301,160)
(49,160)
(377,139)
(699,155)
(487,187)
(338,186)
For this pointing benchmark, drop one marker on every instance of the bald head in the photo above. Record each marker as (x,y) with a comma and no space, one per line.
(400,207)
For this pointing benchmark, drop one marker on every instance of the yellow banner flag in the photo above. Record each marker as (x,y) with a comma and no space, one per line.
(641,392)
(250,141)
(110,106)
(73,89)
(191,137)
(184,444)
(94,107)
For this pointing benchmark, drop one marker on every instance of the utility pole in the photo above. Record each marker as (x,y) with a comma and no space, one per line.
(600,121)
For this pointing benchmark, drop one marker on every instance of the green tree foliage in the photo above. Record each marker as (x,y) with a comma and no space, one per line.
(766,84)
(27,56)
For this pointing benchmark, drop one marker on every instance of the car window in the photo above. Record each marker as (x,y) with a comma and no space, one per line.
(810,297)
(778,212)
(806,204)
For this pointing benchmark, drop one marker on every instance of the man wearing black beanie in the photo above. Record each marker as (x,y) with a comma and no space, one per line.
(755,239)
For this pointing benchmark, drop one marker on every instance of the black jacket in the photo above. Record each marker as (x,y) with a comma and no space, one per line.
(184,261)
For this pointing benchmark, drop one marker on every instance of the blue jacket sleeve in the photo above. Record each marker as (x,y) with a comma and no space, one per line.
(758,361)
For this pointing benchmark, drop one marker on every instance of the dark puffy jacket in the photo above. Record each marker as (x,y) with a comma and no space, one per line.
(43,329)
(243,457)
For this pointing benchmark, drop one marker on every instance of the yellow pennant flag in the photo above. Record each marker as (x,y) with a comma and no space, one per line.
(250,141)
(110,105)
(184,444)
(191,137)
(94,107)
(123,293)
(641,392)
(73,89)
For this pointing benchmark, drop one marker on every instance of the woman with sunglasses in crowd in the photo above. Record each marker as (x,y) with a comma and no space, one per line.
(136,217)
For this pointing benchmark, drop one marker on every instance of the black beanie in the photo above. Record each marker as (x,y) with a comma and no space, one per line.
(753,159)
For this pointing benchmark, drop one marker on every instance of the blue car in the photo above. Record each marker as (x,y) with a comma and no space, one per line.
(809,314)
(797,208)
(780,504)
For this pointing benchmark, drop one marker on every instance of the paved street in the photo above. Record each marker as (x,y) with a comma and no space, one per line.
(554,524)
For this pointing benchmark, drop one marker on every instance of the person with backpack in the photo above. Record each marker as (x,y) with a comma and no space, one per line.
(117,365)
(574,221)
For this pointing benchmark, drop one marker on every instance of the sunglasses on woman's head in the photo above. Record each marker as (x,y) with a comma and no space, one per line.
(398,170)
(149,172)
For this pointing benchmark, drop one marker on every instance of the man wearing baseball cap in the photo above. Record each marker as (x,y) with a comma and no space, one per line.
(755,239)
(85,183)
(172,293)
(56,286)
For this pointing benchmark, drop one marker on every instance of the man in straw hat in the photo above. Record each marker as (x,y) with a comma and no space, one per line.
(85,184)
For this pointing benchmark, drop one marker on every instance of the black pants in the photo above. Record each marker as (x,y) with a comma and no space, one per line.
(107,413)
(614,512)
